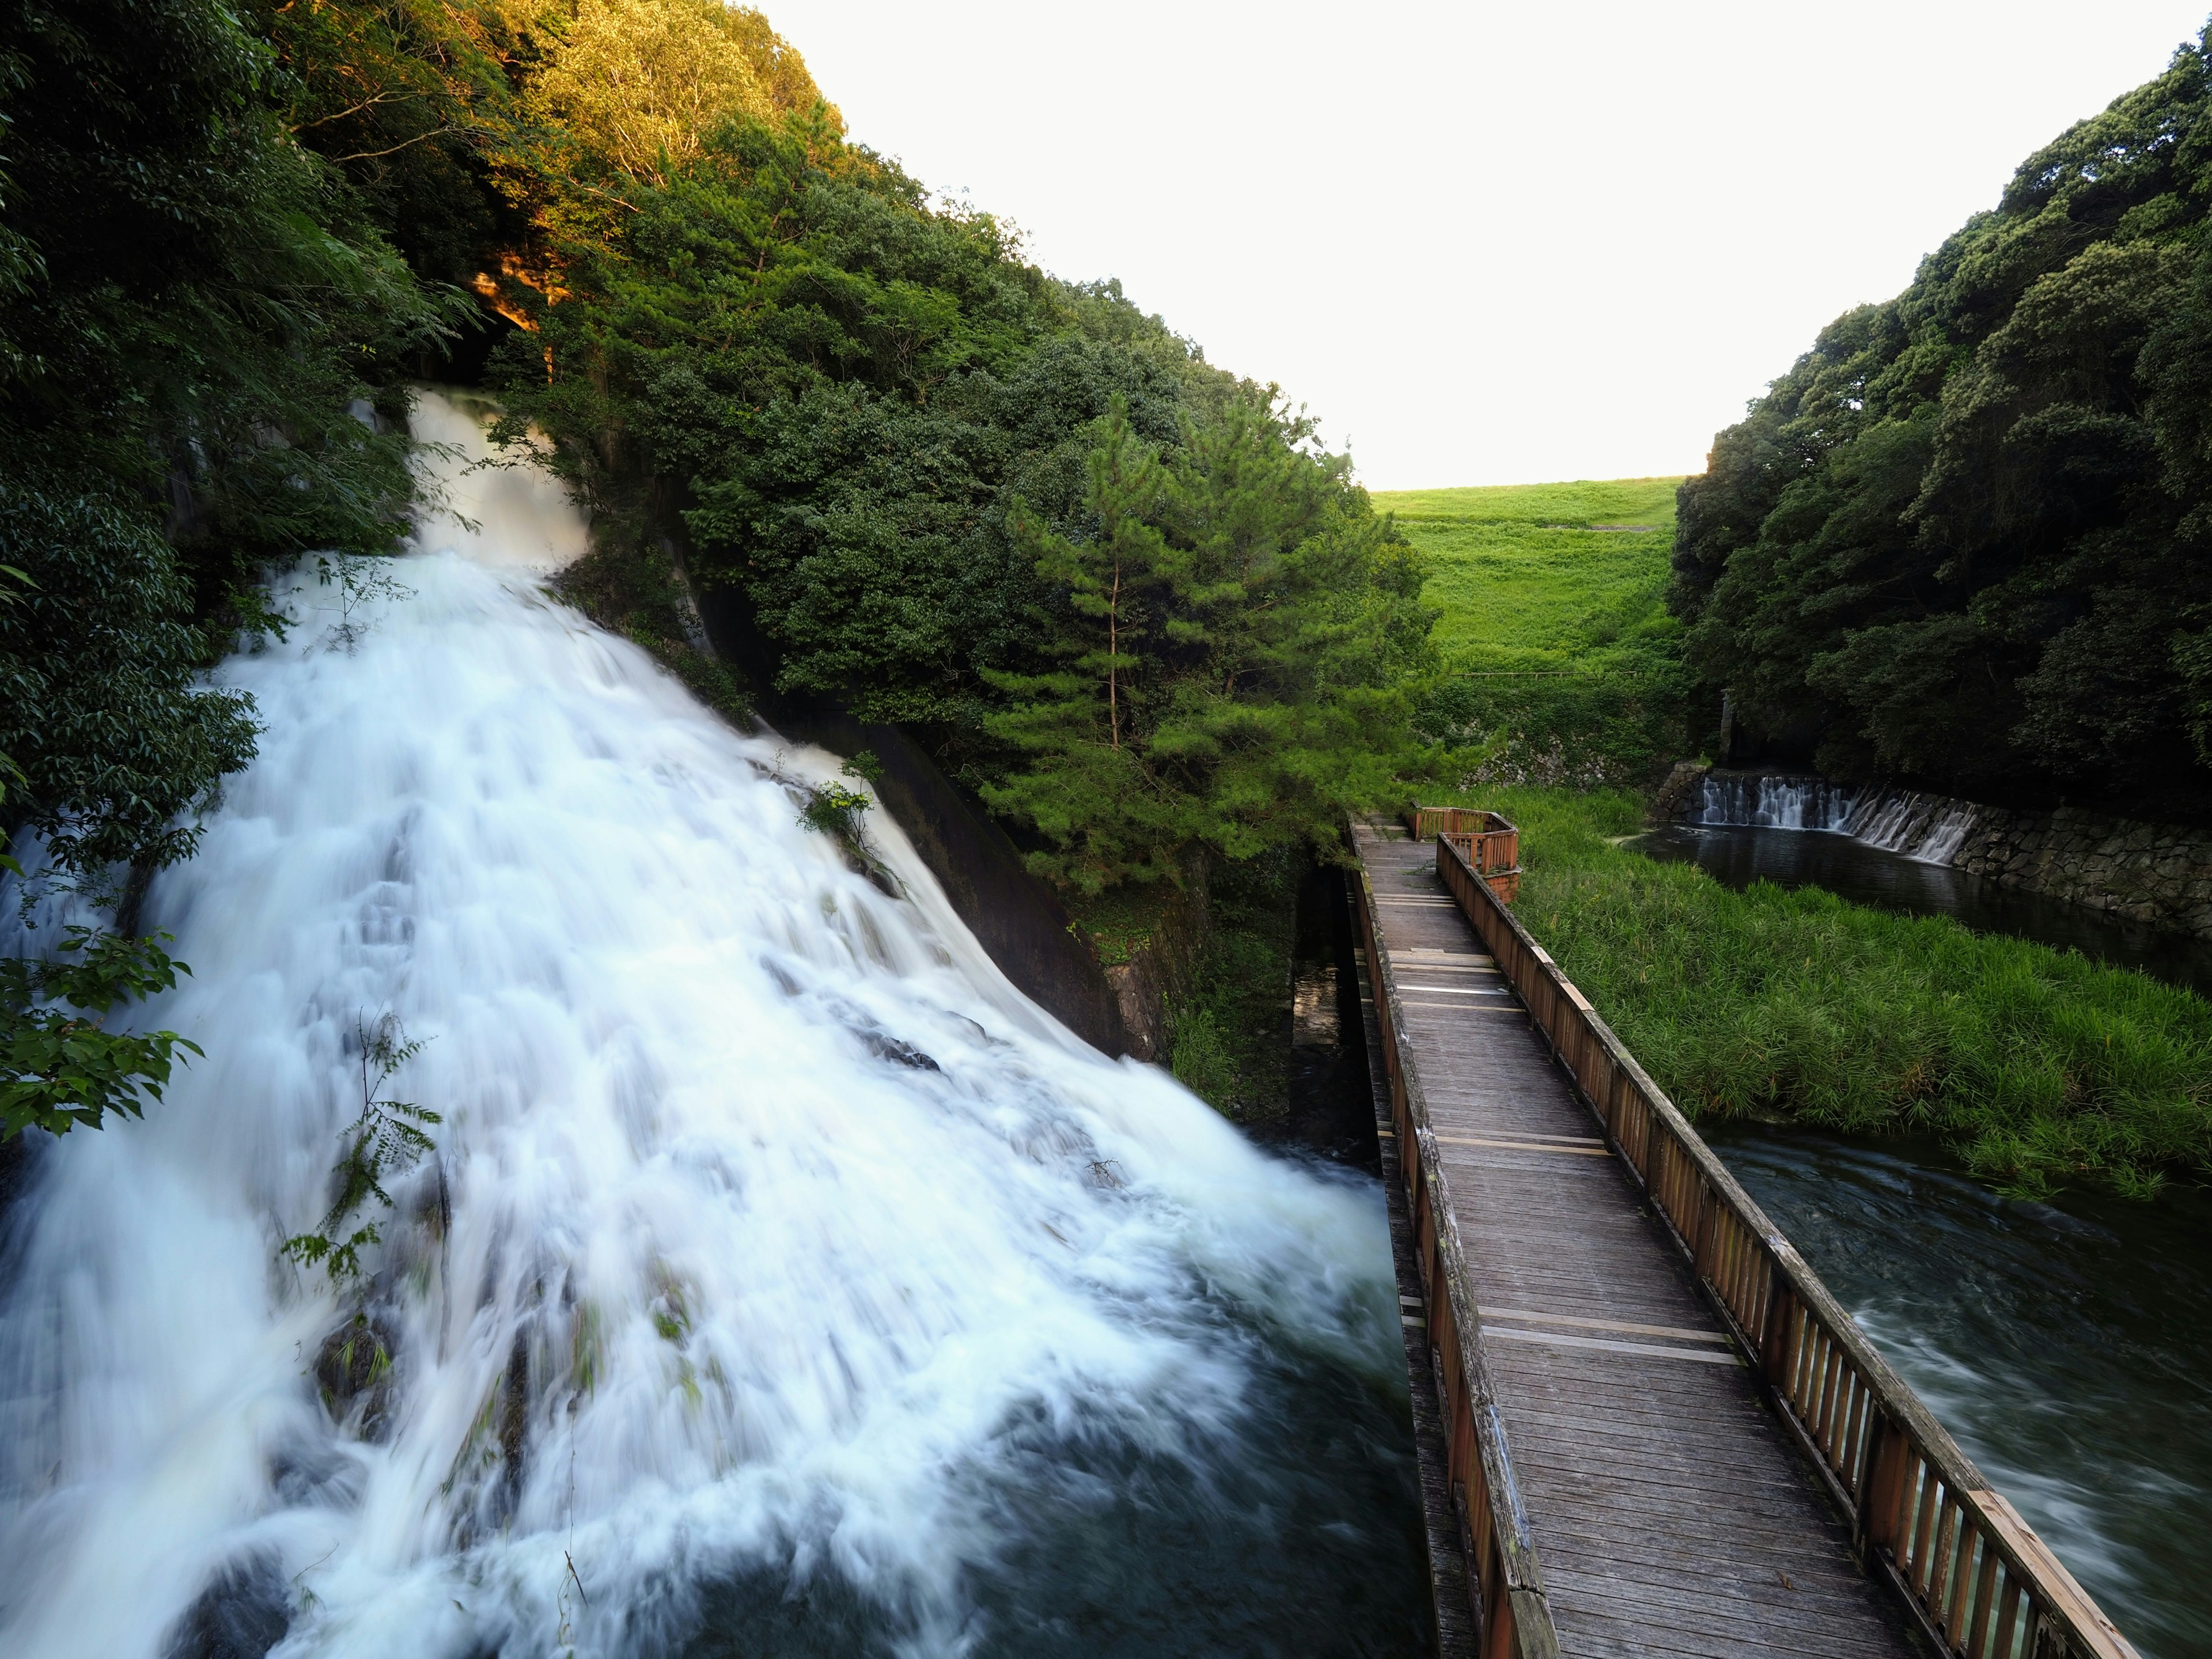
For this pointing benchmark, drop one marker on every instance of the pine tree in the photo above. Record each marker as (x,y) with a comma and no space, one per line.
(1231,639)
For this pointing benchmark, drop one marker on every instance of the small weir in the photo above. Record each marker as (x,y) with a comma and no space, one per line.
(1927,828)
(1890,850)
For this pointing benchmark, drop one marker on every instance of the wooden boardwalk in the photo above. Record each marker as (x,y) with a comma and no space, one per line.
(1670,1511)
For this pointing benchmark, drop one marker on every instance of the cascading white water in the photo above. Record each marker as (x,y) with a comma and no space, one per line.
(1927,828)
(773,1237)
(1924,827)
(1773,801)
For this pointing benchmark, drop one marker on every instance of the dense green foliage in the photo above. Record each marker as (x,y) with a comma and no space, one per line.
(1965,539)
(58,1068)
(97,658)
(1562,664)
(894,452)
(1229,1037)
(189,306)
(2043,1067)
(201,333)
(1227,672)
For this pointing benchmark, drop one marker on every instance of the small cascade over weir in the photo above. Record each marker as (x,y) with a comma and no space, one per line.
(784,1282)
(1928,828)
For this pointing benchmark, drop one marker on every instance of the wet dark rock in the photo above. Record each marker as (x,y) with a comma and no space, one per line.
(307,1475)
(884,1047)
(513,1424)
(242,1614)
(353,1371)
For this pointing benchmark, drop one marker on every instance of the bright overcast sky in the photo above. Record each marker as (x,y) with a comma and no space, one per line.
(1485,243)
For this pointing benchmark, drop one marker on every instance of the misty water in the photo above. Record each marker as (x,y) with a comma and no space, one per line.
(784,1282)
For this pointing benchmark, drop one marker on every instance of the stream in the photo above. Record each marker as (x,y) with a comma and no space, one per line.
(783,1281)
(2067,1347)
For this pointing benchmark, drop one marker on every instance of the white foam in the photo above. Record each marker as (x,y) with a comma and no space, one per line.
(1928,828)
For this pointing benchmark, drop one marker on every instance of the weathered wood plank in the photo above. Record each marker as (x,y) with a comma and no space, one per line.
(1451,1606)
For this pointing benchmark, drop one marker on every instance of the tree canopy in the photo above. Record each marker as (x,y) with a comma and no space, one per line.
(196,326)
(1964,540)
(868,428)
(873,430)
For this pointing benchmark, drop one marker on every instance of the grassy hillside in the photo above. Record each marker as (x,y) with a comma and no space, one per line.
(1565,663)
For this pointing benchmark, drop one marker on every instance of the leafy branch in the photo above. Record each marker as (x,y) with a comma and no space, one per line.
(385,1140)
(360,579)
(58,1068)
(832,809)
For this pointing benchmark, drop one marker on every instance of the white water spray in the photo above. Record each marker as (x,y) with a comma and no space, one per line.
(764,1208)
(1927,828)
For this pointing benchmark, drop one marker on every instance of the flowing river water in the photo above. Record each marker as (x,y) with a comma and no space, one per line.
(784,1282)
(2067,1347)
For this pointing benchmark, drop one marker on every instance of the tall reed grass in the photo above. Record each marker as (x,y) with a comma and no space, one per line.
(2042,1067)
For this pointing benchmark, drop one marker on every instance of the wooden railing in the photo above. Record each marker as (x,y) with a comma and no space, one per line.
(1982,1584)
(1513,1618)
(1491,844)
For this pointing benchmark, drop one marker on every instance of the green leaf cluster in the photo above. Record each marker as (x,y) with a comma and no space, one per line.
(1965,538)
(388,1137)
(832,809)
(58,1066)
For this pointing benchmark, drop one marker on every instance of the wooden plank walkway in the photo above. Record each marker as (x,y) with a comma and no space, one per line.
(1670,1513)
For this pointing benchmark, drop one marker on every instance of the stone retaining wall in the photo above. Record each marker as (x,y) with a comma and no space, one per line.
(2151,873)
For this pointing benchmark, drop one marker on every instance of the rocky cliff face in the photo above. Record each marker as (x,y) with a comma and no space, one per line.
(1156,976)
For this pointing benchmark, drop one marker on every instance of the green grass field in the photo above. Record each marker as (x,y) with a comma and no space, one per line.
(2042,1068)
(1525,580)
(1565,662)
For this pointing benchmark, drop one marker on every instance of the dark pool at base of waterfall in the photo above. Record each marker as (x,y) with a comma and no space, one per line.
(1737,856)
(2066,1346)
(1300,1536)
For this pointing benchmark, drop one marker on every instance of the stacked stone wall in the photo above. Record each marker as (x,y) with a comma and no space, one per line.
(2153,873)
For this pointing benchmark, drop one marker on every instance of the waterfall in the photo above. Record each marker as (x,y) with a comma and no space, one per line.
(782,1277)
(1773,802)
(1928,828)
